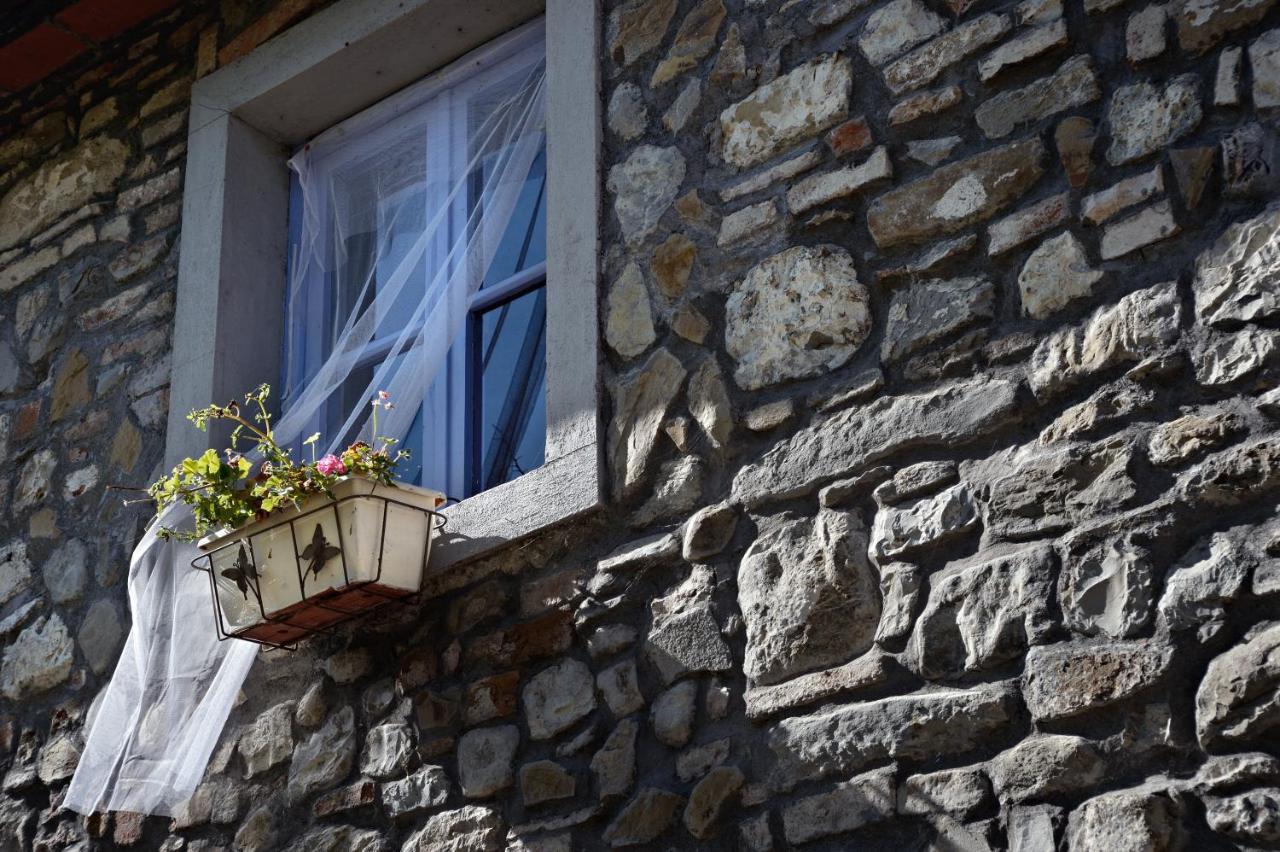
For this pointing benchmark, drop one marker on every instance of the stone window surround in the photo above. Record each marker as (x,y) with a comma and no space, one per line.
(244,120)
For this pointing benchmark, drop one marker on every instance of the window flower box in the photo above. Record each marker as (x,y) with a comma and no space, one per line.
(309,568)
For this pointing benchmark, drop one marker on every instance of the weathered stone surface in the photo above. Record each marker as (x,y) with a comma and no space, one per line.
(1250,162)
(851,439)
(927,311)
(672,263)
(922,65)
(1072,85)
(955,792)
(956,195)
(1126,819)
(473,828)
(708,531)
(1192,169)
(627,114)
(341,838)
(983,611)
(1144,119)
(640,403)
(1252,817)
(1061,681)
(643,186)
(799,104)
(1140,230)
(1045,765)
(1238,701)
(65,572)
(544,781)
(388,750)
(922,104)
(1056,274)
(59,186)
(557,697)
(1226,81)
(1199,589)
(1101,206)
(1264,61)
(824,559)
(749,225)
(798,313)
(417,793)
(1139,325)
(323,760)
(1031,221)
(896,27)
(709,403)
(903,531)
(843,739)
(1236,475)
(628,325)
(486,760)
(673,713)
(1108,589)
(694,39)
(1110,405)
(1144,36)
(620,688)
(1203,23)
(686,640)
(15,570)
(1234,279)
(58,759)
(37,660)
(696,761)
(850,804)
(34,480)
(268,741)
(637,27)
(709,800)
(1220,359)
(614,765)
(828,186)
(644,819)
(1032,43)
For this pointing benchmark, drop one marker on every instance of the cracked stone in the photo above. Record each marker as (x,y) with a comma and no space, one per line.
(644,186)
(927,311)
(1073,84)
(1144,119)
(1056,274)
(1234,279)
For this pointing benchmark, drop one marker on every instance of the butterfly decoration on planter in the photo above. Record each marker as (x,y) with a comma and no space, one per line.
(318,552)
(241,571)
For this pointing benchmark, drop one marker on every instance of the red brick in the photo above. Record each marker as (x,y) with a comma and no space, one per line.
(35,54)
(99,20)
(853,135)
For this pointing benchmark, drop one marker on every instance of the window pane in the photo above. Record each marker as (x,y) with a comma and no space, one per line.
(524,244)
(511,361)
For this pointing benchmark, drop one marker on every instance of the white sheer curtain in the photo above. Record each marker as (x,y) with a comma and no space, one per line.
(149,739)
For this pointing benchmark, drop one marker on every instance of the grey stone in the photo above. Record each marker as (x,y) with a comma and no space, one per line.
(1189,436)
(1139,325)
(956,195)
(1144,118)
(956,792)
(922,65)
(1250,160)
(843,739)
(1108,589)
(1031,43)
(1045,765)
(268,740)
(323,760)
(849,805)
(683,107)
(38,660)
(643,186)
(16,823)
(793,107)
(65,572)
(676,491)
(610,639)
(15,570)
(1056,274)
(1130,192)
(1140,230)
(260,831)
(60,185)
(796,314)
(1063,681)
(1203,23)
(486,760)
(709,800)
(340,838)
(348,666)
(1033,828)
(1264,61)
(644,819)
(58,759)
(557,697)
(708,531)
(1221,774)
(687,641)
(1234,278)
(312,706)
(640,402)
(694,39)
(1073,84)
(416,793)
(620,688)
(899,594)
(1125,819)
(827,558)
(983,611)
(388,750)
(905,530)
(1252,817)
(894,28)
(10,370)
(628,327)
(927,311)
(34,482)
(1226,81)
(696,761)
(848,440)
(1199,589)
(749,225)
(472,828)
(614,765)
(754,834)
(1031,221)
(544,781)
(828,186)
(709,403)
(673,713)
(1238,701)
(627,114)
(1235,475)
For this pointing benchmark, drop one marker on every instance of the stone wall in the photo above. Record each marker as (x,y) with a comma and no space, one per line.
(943,346)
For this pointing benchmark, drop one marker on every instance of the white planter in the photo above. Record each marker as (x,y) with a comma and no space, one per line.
(309,568)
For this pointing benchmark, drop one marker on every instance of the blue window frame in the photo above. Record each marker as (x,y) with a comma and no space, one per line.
(483,421)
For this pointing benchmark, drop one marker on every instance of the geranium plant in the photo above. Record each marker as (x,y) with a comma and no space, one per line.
(224,491)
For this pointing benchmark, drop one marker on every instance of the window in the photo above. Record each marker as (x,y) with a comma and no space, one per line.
(377,186)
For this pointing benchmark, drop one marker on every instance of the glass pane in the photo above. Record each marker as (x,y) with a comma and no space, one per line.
(524,244)
(511,362)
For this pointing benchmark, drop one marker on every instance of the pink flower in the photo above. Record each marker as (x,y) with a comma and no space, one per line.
(331,465)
